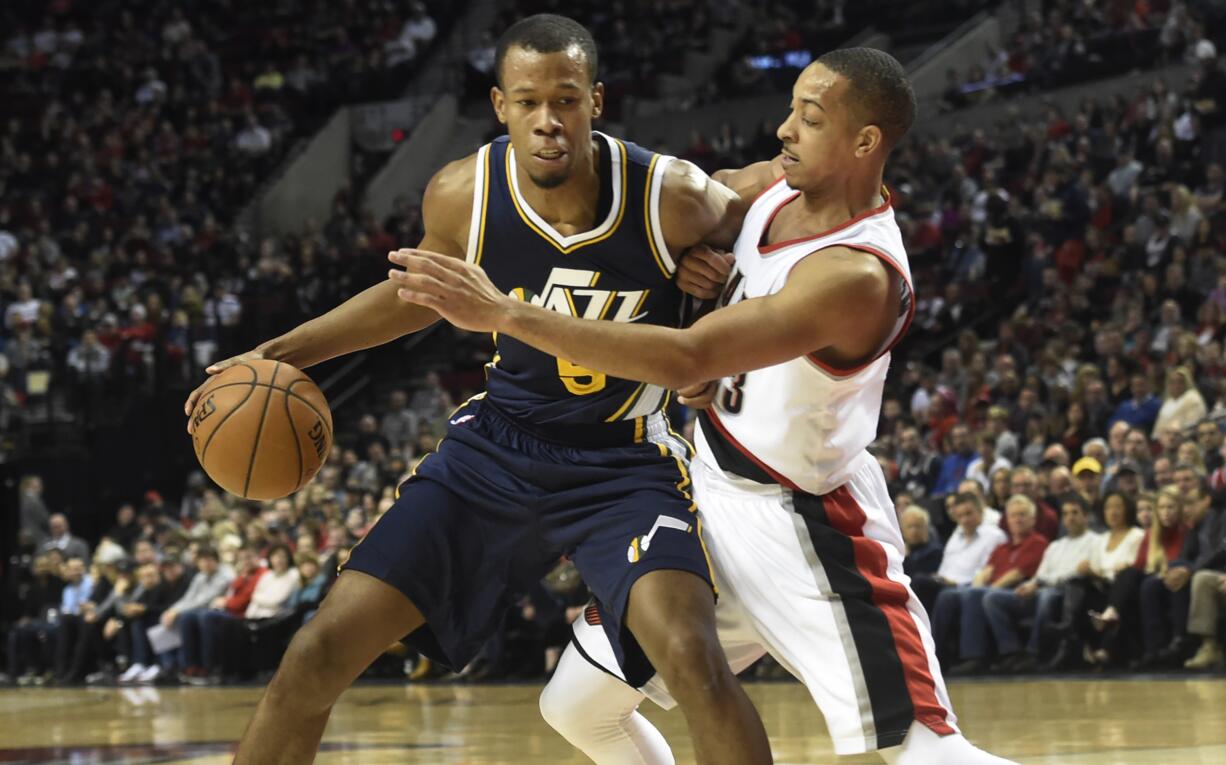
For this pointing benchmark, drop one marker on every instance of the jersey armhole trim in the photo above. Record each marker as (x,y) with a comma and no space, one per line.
(898,334)
(481,199)
(651,211)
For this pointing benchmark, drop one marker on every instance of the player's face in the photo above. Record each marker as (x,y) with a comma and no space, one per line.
(548,101)
(822,138)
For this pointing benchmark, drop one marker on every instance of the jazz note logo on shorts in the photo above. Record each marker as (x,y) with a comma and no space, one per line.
(640,544)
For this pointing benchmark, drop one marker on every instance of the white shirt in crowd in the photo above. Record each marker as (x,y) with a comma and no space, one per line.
(1104,562)
(1062,557)
(271,592)
(965,555)
(254,139)
(25,311)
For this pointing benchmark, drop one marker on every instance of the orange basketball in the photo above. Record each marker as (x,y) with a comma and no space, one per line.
(262,429)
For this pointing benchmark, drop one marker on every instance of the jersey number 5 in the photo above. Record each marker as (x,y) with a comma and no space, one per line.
(580,381)
(733,395)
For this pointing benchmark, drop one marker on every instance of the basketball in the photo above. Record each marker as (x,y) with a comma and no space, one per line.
(262,429)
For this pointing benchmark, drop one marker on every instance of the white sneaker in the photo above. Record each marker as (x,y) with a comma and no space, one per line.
(131,673)
(150,675)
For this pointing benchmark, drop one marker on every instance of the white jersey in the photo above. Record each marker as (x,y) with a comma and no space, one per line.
(800,423)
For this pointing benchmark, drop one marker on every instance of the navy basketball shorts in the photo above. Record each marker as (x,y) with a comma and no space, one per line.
(492,511)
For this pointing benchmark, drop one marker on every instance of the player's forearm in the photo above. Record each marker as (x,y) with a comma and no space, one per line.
(642,352)
(372,317)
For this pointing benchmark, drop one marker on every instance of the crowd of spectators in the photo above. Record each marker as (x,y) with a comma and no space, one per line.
(1070,41)
(639,40)
(213,587)
(1054,437)
(134,134)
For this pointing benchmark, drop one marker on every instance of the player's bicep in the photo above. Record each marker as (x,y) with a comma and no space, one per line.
(695,209)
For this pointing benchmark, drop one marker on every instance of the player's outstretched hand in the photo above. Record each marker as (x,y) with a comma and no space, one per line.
(458,291)
(703,271)
(213,369)
(698,396)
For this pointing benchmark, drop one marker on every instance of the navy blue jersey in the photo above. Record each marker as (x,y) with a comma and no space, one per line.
(620,270)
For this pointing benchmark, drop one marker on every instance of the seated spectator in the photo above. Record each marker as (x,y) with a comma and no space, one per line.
(78,587)
(1140,410)
(1042,595)
(62,539)
(1182,405)
(268,600)
(144,610)
(101,625)
(966,551)
(400,424)
(201,637)
(210,583)
(1087,472)
(918,467)
(923,547)
(29,638)
(1024,481)
(986,463)
(955,463)
(1009,565)
(1208,592)
(1121,620)
(1115,551)
(991,515)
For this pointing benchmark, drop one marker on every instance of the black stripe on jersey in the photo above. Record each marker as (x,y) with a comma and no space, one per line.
(877,654)
(729,457)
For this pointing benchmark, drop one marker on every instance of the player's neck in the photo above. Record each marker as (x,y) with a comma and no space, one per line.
(571,203)
(836,203)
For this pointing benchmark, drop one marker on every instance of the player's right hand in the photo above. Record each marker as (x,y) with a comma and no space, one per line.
(703,271)
(698,396)
(213,369)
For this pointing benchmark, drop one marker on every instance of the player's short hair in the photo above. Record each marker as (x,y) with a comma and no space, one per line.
(546,33)
(880,91)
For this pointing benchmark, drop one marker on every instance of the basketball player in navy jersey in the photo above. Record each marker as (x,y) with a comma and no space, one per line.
(554,458)
(804,539)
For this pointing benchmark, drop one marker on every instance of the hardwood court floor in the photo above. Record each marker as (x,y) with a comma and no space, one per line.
(1071,722)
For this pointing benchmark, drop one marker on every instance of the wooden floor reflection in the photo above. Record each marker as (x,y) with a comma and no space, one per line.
(1072,722)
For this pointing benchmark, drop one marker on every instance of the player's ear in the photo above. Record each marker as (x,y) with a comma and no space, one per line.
(597,99)
(498,99)
(868,140)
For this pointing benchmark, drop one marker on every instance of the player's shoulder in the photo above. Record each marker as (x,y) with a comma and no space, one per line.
(753,179)
(853,273)
(453,183)
(446,205)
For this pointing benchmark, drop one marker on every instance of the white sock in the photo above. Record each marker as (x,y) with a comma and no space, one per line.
(598,714)
(923,747)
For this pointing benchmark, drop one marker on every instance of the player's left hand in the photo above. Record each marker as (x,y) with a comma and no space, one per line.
(458,291)
(698,396)
(703,271)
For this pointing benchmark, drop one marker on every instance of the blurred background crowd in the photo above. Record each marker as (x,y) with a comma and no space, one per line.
(1052,425)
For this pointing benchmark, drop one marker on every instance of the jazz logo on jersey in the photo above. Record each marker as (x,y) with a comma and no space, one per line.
(571,291)
(640,544)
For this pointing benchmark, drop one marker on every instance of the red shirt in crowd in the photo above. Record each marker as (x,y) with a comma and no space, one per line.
(1046,522)
(1025,556)
(238,597)
(1172,543)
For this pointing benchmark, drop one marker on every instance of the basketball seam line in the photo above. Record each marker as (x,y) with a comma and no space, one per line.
(250,390)
(289,417)
(255,442)
(287,392)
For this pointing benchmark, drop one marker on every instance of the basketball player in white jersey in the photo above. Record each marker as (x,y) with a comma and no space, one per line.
(804,540)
